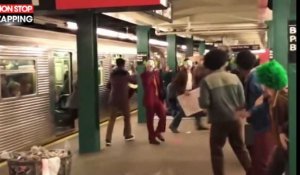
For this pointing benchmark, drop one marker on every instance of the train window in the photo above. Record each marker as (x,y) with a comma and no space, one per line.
(18,77)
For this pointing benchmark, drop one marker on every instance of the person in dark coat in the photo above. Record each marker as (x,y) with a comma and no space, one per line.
(186,80)
(118,84)
(153,102)
(4,89)
(263,142)
(73,104)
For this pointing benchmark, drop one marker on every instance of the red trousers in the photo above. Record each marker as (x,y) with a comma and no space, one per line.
(158,109)
(261,151)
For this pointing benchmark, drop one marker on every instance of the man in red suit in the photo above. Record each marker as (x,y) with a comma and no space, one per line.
(153,102)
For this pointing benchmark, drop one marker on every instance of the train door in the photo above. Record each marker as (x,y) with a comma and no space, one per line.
(62,73)
(62,85)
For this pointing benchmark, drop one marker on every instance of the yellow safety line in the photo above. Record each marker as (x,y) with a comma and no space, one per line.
(67,138)
(3,164)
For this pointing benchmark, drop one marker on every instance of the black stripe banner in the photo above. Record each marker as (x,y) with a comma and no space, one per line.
(292,37)
(15,1)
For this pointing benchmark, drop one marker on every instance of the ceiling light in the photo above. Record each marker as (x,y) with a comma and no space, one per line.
(158,42)
(132,37)
(120,35)
(206,51)
(123,36)
(183,47)
(72,25)
(258,51)
(106,32)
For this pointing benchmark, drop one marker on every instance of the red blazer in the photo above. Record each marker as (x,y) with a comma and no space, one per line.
(149,87)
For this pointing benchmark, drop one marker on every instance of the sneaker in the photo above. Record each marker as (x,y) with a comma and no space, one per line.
(108,143)
(154,142)
(160,137)
(129,138)
(201,127)
(174,130)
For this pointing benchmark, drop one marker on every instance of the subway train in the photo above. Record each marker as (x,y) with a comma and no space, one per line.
(34,66)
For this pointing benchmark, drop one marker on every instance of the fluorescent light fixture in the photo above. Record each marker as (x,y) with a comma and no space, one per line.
(158,42)
(108,33)
(132,37)
(183,47)
(258,51)
(205,51)
(123,36)
(120,35)
(72,25)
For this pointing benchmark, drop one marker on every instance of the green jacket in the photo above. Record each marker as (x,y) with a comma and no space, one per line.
(221,93)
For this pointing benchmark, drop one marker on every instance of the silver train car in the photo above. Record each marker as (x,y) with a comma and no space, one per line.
(34,65)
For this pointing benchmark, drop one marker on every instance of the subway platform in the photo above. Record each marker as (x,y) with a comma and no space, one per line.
(186,153)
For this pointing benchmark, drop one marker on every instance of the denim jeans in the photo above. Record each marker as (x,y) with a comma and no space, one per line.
(173,107)
(176,111)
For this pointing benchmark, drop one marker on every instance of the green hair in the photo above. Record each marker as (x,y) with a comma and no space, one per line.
(272,75)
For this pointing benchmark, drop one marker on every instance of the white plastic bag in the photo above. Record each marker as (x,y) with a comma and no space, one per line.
(51,166)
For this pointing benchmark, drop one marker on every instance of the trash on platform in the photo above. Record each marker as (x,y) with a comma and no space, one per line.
(38,161)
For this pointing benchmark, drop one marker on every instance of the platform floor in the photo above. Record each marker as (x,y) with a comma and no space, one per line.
(186,153)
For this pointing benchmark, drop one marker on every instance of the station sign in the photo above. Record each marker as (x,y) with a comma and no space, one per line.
(141,57)
(238,48)
(109,4)
(292,36)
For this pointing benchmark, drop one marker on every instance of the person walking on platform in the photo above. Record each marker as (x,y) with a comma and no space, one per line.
(199,72)
(73,105)
(258,115)
(153,102)
(222,95)
(184,82)
(118,85)
(171,98)
(274,78)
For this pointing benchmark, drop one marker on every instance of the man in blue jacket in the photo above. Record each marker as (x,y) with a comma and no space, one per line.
(258,113)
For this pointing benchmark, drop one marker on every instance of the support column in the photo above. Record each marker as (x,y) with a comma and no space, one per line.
(202,47)
(292,74)
(89,136)
(143,48)
(280,21)
(171,54)
(189,47)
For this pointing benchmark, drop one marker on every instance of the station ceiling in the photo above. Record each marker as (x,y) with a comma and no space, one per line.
(233,21)
(229,21)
